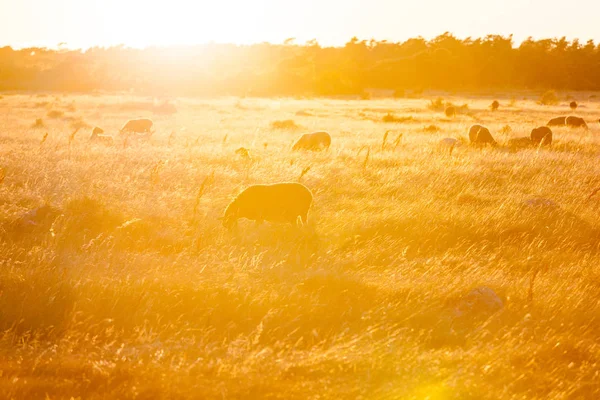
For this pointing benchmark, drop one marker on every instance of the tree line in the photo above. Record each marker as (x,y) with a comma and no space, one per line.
(289,69)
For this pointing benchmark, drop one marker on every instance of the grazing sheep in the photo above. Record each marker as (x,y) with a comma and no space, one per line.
(481,135)
(558,121)
(573,105)
(575,122)
(142,125)
(97,137)
(519,143)
(450,111)
(495,105)
(541,135)
(313,141)
(279,202)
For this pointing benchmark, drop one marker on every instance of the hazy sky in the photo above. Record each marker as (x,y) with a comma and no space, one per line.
(139,23)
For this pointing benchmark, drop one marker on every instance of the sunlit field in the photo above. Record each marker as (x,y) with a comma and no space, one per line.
(118,281)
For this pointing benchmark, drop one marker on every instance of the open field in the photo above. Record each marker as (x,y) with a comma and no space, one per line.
(129,287)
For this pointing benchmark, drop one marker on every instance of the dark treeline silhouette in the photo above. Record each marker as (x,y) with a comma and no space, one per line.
(443,63)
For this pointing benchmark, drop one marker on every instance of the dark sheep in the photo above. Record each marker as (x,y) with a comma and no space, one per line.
(481,135)
(279,202)
(97,131)
(519,143)
(450,112)
(495,105)
(313,141)
(575,122)
(541,135)
(558,121)
(142,125)
(573,105)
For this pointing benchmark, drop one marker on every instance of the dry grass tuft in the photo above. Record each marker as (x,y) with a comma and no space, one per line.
(383,142)
(548,98)
(44,139)
(205,183)
(304,172)
(155,172)
(38,124)
(368,153)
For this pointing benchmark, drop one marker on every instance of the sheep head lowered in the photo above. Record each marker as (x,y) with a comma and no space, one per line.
(313,141)
(279,202)
(142,125)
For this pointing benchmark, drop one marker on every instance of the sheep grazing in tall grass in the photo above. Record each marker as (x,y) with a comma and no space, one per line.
(480,135)
(450,111)
(541,136)
(575,122)
(142,125)
(519,143)
(313,141)
(279,202)
(558,121)
(573,105)
(495,105)
(98,137)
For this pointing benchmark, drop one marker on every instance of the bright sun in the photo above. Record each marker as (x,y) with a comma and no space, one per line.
(179,22)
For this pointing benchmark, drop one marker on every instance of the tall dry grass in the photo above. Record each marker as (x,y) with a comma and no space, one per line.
(123,284)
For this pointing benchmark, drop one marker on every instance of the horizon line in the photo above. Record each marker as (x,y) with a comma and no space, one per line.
(64,46)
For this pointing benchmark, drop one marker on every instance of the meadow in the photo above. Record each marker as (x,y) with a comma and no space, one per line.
(117,280)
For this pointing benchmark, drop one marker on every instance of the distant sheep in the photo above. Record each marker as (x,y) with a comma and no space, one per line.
(142,125)
(519,143)
(558,121)
(481,135)
(573,105)
(541,135)
(279,202)
(450,111)
(313,141)
(575,122)
(495,105)
(97,137)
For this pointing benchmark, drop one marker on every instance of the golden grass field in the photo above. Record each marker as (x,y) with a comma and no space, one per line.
(130,288)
